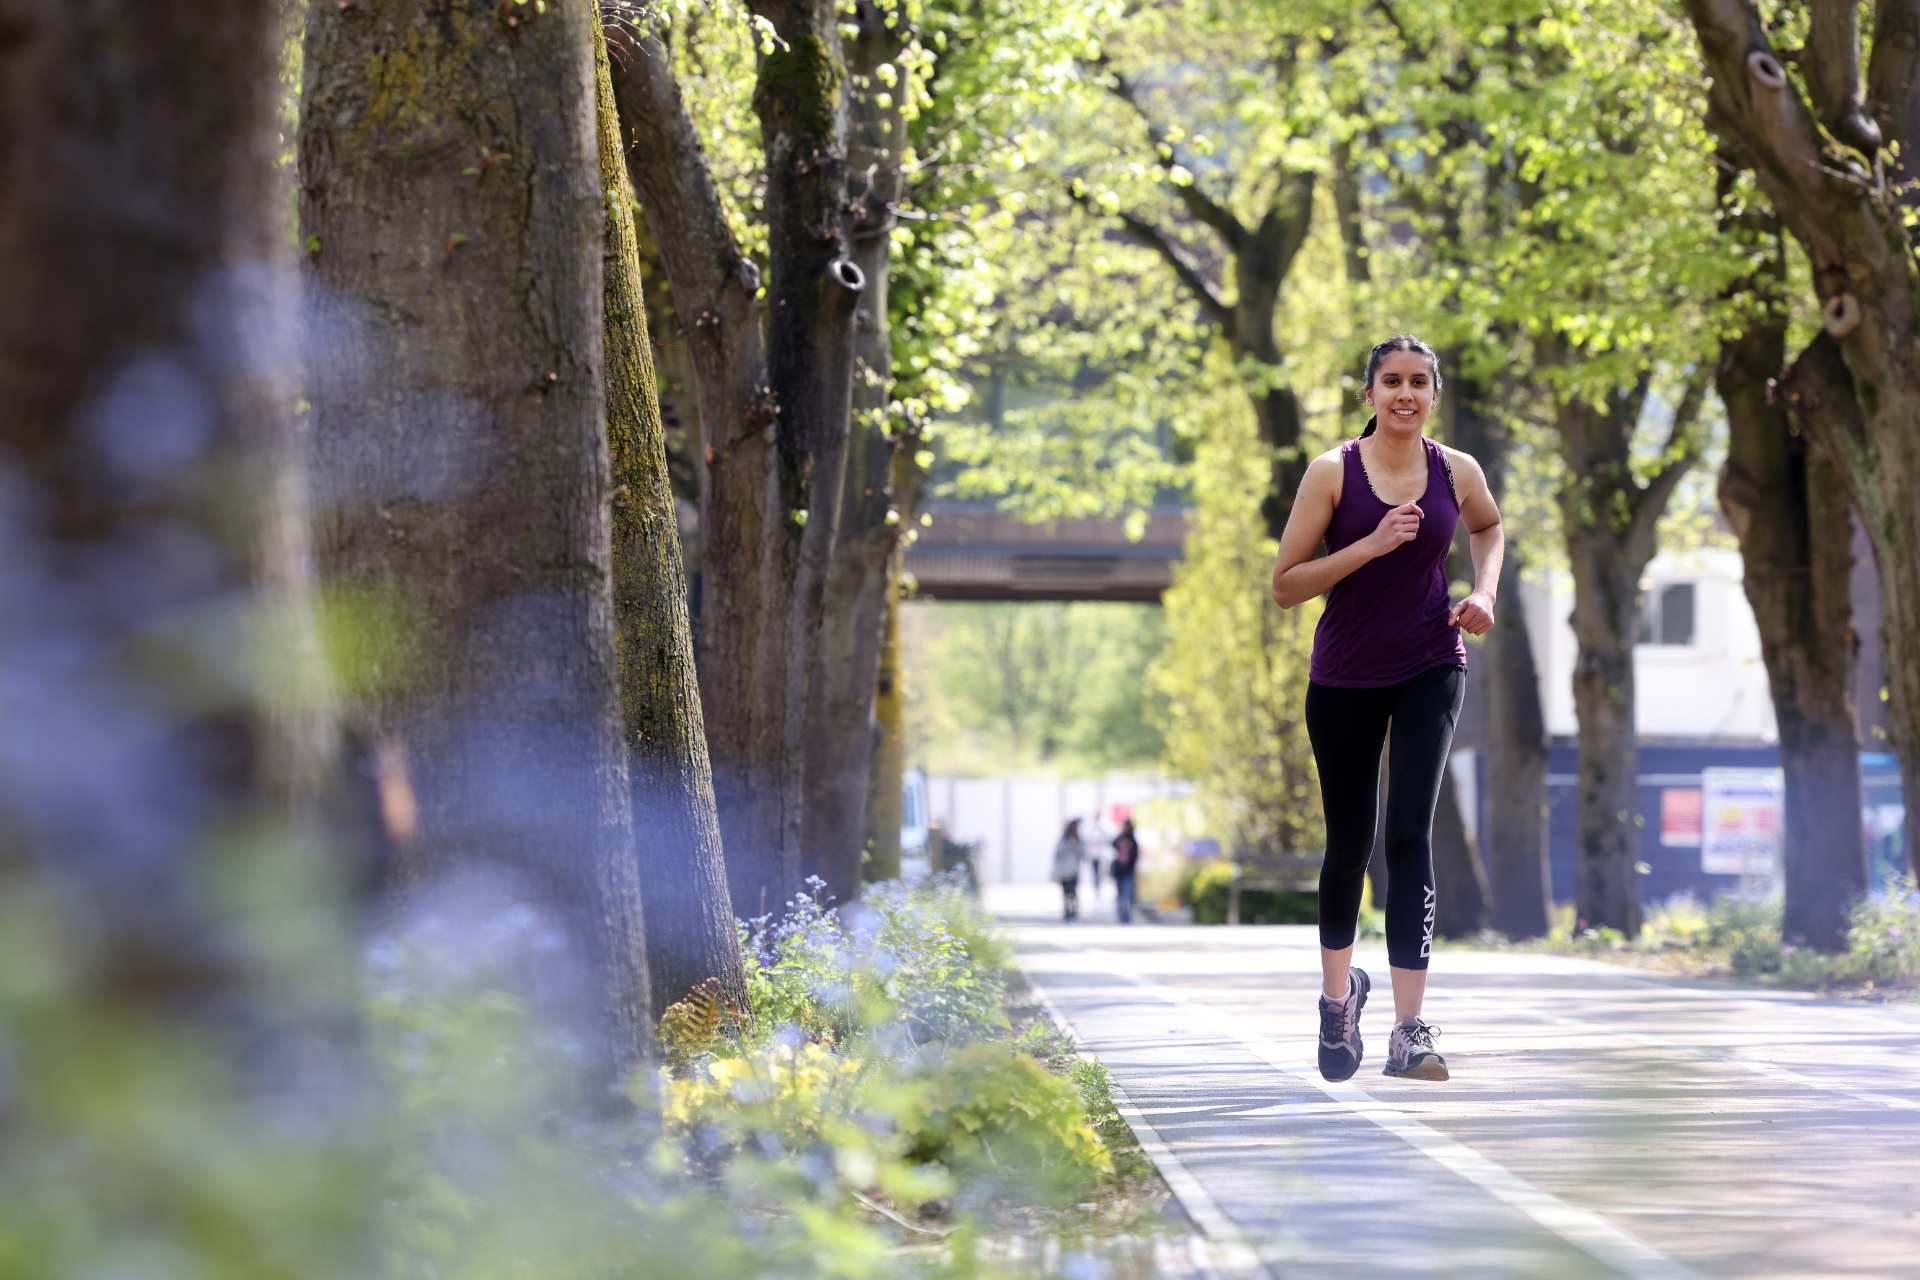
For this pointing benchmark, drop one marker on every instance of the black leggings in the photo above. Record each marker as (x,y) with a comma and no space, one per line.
(1348,727)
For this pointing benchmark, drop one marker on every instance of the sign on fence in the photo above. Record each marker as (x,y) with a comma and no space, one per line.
(1742,821)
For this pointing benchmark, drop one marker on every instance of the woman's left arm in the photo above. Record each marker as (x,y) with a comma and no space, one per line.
(1488,542)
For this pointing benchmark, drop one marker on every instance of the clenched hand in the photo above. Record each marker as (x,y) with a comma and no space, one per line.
(1474,615)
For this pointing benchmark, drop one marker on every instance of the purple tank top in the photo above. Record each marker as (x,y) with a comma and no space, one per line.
(1387,620)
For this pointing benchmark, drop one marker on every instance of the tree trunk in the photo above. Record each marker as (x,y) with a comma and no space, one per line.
(1261,262)
(1457,867)
(1606,601)
(1460,878)
(1610,518)
(1261,256)
(162,762)
(841,730)
(458,429)
(812,293)
(1851,223)
(1606,608)
(156,515)
(1518,871)
(713,287)
(1789,511)
(885,799)
(1515,845)
(689,917)
(1461,910)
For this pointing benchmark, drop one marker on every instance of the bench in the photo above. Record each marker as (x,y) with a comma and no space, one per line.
(1272,871)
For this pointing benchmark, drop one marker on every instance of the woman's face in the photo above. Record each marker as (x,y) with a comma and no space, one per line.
(1402,392)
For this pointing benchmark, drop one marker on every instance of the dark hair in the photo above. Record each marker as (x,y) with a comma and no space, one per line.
(1073,829)
(1398,342)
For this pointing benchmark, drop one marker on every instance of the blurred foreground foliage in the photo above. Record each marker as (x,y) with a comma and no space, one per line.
(869,1114)
(873,1113)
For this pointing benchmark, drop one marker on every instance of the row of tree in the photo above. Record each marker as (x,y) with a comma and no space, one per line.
(1596,242)
(473,515)
(1159,196)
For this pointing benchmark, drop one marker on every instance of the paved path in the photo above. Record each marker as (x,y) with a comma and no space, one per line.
(1600,1121)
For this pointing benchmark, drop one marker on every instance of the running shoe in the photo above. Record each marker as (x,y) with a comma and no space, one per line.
(1410,1052)
(1340,1029)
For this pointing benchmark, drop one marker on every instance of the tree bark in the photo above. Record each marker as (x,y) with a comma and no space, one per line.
(813,289)
(1515,845)
(1789,511)
(156,532)
(1850,221)
(1787,503)
(458,432)
(1610,519)
(1606,607)
(846,669)
(1461,901)
(1261,256)
(1518,871)
(713,285)
(690,929)
(775,415)
(886,812)
(1458,868)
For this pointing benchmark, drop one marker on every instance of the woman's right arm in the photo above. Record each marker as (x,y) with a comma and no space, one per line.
(1298,575)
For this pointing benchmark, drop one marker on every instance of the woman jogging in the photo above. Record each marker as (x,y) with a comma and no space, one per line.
(1387,652)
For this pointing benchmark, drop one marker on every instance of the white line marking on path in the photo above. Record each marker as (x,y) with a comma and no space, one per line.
(1778,1072)
(1237,1254)
(1581,1228)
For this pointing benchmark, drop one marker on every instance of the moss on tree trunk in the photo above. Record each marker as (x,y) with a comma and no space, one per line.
(689,914)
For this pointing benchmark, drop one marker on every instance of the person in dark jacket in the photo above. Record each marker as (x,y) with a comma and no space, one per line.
(1126,859)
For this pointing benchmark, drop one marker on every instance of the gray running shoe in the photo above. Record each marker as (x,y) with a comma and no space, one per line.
(1340,1047)
(1410,1052)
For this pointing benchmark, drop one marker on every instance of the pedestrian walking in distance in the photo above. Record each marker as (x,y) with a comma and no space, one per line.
(1126,859)
(1067,856)
(1388,652)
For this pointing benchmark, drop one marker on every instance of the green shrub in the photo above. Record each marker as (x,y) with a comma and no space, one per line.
(999,1119)
(881,1066)
(1883,938)
(1096,1093)
(1744,935)
(921,961)
(1748,930)
(1207,892)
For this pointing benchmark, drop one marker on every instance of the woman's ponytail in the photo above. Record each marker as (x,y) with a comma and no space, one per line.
(1371,424)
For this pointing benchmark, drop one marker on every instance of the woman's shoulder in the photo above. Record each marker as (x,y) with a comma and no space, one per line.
(1329,470)
(1462,468)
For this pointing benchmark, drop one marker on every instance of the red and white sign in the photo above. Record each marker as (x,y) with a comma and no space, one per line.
(1680,817)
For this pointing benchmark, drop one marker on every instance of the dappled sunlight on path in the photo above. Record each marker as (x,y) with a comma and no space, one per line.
(1599,1121)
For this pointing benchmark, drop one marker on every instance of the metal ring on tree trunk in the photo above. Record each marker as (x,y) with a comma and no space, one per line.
(1765,68)
(1841,314)
(847,274)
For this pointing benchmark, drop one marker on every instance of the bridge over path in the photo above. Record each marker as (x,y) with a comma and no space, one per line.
(975,551)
